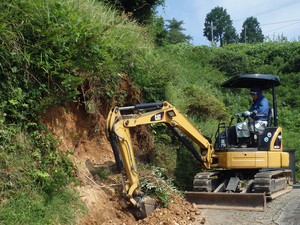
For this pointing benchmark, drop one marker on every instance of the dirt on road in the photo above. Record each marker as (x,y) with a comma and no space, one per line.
(284,210)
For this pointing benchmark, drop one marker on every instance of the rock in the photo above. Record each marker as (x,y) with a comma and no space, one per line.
(203,220)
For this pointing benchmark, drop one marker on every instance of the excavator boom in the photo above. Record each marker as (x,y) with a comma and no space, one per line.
(118,124)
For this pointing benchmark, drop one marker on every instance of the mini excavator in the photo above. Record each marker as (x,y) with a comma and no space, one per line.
(240,173)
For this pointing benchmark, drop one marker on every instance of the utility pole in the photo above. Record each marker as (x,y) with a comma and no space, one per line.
(245,27)
(212,28)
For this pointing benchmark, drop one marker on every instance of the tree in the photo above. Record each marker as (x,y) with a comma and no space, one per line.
(218,27)
(251,32)
(158,30)
(175,34)
(141,10)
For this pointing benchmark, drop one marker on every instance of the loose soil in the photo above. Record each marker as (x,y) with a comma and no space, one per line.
(83,135)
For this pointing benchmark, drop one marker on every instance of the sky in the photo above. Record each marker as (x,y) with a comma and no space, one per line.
(276,17)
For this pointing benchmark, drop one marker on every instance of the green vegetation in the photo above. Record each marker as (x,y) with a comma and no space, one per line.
(140,10)
(34,175)
(175,34)
(156,185)
(56,51)
(219,20)
(251,32)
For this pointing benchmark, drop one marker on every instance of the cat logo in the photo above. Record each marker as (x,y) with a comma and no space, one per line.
(158,117)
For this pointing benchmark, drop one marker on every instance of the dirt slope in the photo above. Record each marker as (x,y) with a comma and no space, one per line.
(84,136)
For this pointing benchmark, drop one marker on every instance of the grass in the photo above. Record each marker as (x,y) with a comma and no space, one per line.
(34,207)
(34,177)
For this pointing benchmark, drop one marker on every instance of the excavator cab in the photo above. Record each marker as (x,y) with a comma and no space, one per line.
(264,138)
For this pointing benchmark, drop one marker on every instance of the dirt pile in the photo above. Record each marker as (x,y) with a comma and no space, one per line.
(84,136)
(177,212)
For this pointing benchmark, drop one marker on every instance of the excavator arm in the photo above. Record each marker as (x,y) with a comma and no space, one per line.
(121,119)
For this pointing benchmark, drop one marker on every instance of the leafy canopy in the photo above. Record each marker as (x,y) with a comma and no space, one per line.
(175,34)
(140,10)
(218,27)
(251,32)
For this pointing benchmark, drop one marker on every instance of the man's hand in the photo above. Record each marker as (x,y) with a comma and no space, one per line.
(246,114)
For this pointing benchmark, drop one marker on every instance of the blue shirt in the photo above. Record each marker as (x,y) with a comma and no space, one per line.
(260,106)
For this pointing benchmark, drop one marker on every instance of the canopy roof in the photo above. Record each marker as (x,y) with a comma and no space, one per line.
(263,81)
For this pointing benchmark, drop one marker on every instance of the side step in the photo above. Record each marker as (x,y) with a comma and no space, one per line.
(221,200)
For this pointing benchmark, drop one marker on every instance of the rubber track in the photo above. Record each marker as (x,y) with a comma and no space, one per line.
(269,181)
(272,181)
(206,181)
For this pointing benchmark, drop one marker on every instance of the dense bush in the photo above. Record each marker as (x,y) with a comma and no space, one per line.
(50,48)
(269,58)
(34,175)
(202,104)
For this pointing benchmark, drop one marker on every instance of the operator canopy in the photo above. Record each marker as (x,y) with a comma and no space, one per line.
(263,81)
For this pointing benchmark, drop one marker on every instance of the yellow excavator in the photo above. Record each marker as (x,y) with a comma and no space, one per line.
(240,172)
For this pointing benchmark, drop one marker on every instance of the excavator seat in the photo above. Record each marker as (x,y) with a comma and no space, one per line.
(228,138)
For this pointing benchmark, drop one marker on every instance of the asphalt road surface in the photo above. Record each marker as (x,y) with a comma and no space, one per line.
(284,210)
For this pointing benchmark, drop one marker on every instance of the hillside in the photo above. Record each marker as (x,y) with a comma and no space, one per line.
(64,64)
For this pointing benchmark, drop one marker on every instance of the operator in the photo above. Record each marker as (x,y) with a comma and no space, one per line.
(258,111)
(259,107)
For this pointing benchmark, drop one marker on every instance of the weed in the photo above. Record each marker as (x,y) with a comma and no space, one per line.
(103,174)
(156,185)
(33,207)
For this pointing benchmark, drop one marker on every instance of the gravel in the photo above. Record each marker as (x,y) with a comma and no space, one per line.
(284,210)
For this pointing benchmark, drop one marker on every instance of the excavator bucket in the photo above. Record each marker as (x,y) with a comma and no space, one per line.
(146,206)
(221,200)
(149,206)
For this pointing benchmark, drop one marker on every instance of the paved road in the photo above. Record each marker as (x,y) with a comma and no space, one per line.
(284,210)
(291,212)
